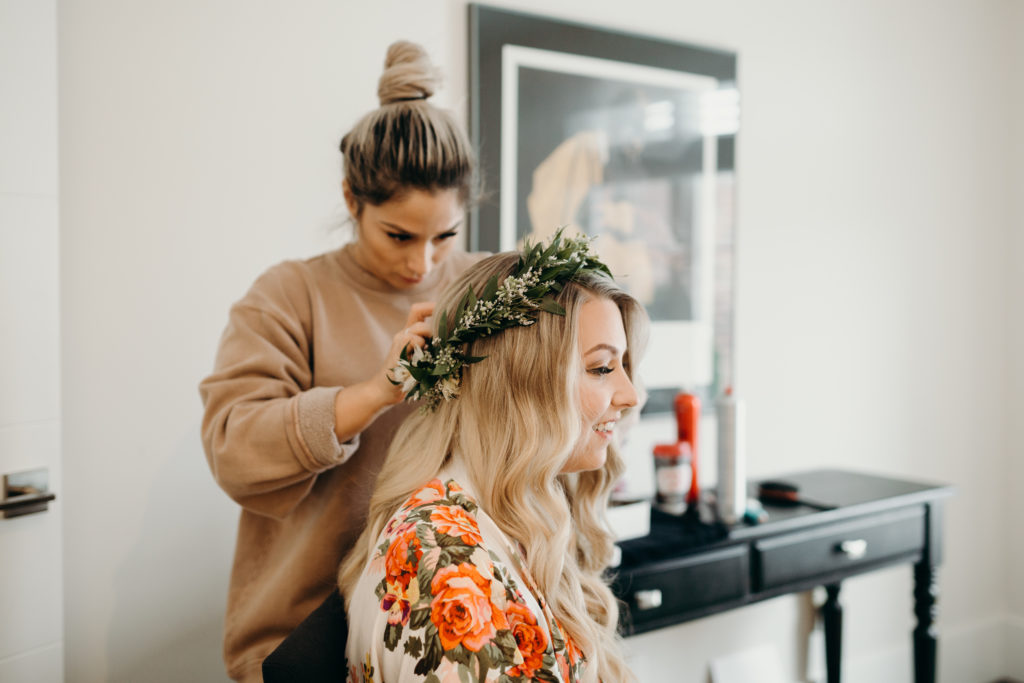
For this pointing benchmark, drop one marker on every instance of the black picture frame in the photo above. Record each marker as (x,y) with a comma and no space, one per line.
(494,35)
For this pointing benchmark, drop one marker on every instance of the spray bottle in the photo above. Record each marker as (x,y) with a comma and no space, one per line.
(687,407)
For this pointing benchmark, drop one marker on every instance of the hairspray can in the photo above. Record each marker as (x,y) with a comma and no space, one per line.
(687,418)
(732,476)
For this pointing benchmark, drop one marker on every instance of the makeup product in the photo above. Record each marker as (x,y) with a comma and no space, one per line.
(673,475)
(687,408)
(731,498)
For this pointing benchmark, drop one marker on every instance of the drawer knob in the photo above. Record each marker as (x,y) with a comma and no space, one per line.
(854,549)
(648,599)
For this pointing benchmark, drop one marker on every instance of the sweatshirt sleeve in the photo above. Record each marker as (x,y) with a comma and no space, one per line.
(266,430)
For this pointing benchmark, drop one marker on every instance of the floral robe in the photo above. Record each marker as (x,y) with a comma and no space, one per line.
(443,600)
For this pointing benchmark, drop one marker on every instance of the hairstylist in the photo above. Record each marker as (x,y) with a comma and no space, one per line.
(299,410)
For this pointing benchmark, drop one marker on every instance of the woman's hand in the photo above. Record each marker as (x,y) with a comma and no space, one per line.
(414,334)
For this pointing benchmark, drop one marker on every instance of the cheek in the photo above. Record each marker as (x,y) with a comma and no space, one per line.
(385,251)
(442,249)
(592,400)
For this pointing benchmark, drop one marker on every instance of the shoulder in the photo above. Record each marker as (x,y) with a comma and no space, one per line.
(448,598)
(290,277)
(288,287)
(438,517)
(437,578)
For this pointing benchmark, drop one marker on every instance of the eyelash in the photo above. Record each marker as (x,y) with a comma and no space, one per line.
(601,371)
(402,237)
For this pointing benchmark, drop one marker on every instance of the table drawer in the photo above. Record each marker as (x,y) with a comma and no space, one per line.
(837,547)
(682,585)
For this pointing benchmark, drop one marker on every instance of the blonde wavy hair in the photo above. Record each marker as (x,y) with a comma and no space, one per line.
(514,425)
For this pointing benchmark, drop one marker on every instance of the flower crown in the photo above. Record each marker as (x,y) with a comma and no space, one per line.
(433,372)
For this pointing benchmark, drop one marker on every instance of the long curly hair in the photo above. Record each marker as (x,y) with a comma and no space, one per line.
(513,427)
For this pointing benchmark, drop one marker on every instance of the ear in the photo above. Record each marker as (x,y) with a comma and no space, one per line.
(354,206)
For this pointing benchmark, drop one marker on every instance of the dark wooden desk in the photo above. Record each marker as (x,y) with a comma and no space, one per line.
(666,578)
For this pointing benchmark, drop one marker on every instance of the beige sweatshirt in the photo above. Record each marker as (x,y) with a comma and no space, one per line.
(303,331)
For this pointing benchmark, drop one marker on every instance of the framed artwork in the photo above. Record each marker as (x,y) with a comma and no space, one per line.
(629,139)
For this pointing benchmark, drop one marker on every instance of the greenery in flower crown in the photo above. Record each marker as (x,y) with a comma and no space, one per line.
(432,373)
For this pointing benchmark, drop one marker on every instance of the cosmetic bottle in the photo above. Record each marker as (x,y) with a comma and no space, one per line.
(673,475)
(731,494)
(687,407)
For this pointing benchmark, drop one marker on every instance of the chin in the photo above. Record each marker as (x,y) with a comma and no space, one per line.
(586,462)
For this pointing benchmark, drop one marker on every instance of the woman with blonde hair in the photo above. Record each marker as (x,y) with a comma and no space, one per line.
(298,411)
(486,539)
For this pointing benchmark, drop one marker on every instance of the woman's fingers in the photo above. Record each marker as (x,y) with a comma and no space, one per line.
(419,313)
(415,335)
(418,333)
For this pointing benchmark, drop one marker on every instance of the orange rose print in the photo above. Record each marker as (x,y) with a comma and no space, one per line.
(530,639)
(461,609)
(571,650)
(398,565)
(455,522)
(434,490)
(563,666)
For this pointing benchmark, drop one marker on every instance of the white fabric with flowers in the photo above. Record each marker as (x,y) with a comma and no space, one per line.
(445,599)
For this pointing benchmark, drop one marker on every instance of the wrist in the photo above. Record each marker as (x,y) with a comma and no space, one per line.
(380,392)
(358,405)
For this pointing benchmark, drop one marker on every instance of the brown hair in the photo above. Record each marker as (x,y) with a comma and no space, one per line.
(407,143)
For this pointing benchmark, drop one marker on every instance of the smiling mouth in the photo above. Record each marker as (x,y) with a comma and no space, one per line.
(605,427)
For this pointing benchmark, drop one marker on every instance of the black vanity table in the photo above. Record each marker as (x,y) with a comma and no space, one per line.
(685,570)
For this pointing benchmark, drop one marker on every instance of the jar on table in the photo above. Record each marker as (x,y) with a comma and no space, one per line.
(673,472)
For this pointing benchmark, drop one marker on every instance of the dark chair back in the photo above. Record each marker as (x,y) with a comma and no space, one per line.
(315,650)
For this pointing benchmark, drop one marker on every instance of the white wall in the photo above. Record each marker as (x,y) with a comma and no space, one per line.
(198,146)
(1015,315)
(30,546)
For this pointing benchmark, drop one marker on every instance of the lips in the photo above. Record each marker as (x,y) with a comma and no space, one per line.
(605,427)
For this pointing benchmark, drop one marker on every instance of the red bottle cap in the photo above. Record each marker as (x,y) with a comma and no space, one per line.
(672,450)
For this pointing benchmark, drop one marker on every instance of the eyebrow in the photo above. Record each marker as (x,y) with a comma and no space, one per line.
(402,230)
(603,347)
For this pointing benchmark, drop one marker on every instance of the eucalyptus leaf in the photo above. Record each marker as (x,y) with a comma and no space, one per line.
(490,289)
(442,327)
(551,306)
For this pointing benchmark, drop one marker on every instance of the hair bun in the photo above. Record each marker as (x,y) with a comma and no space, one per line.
(408,74)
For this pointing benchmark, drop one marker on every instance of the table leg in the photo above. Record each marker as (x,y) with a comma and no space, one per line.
(832,615)
(926,641)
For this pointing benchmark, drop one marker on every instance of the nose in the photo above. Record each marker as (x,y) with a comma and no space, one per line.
(421,260)
(625,393)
